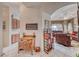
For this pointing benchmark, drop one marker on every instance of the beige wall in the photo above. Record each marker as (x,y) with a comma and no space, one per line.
(9,49)
(8,10)
(6,31)
(1,31)
(31,15)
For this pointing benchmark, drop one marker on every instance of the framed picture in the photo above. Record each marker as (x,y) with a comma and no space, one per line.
(32,26)
(15,38)
(4,25)
(15,23)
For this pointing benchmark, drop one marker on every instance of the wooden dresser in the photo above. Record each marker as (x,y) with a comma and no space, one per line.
(63,39)
(27,43)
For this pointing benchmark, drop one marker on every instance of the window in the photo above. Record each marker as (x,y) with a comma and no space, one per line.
(57,27)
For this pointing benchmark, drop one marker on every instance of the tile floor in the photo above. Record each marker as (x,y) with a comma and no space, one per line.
(23,54)
(74,43)
(58,51)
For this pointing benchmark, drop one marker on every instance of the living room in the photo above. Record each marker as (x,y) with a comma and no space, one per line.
(39,29)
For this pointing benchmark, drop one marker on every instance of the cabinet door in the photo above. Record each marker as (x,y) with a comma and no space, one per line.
(29,44)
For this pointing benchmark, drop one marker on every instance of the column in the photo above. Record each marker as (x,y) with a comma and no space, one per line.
(65,27)
(78,20)
(72,25)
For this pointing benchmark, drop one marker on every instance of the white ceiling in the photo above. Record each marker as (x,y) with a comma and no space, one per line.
(66,12)
(48,7)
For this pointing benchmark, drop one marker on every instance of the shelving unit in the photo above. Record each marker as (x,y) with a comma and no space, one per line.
(47,38)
